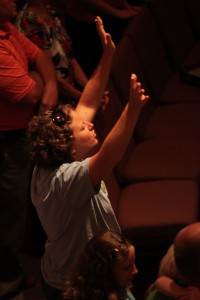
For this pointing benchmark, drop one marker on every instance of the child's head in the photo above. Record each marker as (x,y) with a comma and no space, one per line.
(59,136)
(106,265)
(187,254)
(51,138)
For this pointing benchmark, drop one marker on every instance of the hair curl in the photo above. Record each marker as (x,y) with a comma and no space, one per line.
(49,144)
(93,276)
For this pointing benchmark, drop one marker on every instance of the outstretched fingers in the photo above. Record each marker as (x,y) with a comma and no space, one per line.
(100,29)
(106,38)
(133,81)
(144,98)
(138,93)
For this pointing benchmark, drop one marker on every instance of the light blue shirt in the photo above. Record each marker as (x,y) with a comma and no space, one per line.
(71,212)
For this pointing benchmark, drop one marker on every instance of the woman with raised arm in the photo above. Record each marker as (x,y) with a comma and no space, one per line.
(67,185)
(39,21)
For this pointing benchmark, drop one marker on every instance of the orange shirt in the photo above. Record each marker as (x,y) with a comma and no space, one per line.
(16,52)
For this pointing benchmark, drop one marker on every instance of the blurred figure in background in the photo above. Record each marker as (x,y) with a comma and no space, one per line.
(79,21)
(40,23)
(179,272)
(27,85)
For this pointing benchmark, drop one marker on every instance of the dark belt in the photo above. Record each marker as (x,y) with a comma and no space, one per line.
(12,136)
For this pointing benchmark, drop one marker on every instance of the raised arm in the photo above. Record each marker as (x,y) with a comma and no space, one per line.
(107,157)
(167,286)
(46,69)
(118,9)
(79,74)
(92,95)
(67,89)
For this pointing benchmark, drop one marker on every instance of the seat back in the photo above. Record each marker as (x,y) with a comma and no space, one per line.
(148,46)
(174,27)
(125,63)
(105,120)
(192,8)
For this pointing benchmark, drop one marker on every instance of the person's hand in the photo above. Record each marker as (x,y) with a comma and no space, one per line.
(135,8)
(191,293)
(49,98)
(106,38)
(104,101)
(137,95)
(127,13)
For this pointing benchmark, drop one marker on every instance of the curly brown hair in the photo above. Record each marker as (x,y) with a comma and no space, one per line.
(92,277)
(50,143)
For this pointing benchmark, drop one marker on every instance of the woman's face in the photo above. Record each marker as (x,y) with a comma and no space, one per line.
(85,136)
(126,270)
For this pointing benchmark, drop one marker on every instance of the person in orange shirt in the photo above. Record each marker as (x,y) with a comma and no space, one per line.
(27,85)
(39,22)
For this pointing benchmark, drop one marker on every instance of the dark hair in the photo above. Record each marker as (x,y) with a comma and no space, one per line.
(93,277)
(50,142)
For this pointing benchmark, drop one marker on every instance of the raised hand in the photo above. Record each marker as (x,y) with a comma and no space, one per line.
(104,102)
(137,95)
(106,39)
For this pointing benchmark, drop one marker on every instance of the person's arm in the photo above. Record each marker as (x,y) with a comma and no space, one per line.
(192,293)
(13,75)
(68,90)
(92,95)
(167,286)
(45,67)
(104,7)
(44,76)
(136,8)
(35,95)
(79,74)
(117,140)
(43,62)
(65,88)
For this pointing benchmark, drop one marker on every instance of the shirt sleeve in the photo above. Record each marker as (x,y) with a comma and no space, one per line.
(75,183)
(16,54)
(14,80)
(30,49)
